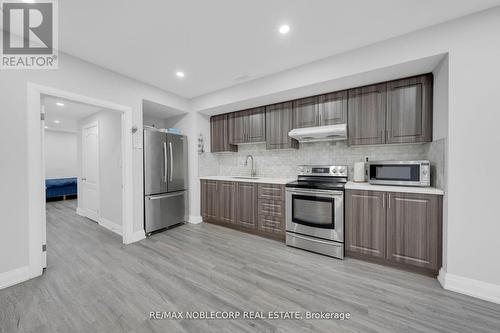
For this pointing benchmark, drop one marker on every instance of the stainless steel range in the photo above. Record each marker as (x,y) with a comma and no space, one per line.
(315,209)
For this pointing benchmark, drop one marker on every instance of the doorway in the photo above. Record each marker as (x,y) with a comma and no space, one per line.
(36,170)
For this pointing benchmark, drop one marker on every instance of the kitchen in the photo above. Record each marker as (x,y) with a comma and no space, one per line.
(284,166)
(385,211)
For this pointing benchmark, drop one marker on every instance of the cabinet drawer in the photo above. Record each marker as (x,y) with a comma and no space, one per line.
(271,224)
(271,207)
(272,192)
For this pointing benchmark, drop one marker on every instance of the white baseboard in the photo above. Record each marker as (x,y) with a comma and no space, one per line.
(15,276)
(195,219)
(135,237)
(475,288)
(110,225)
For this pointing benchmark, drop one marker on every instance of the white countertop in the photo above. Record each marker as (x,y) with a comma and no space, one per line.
(392,188)
(280,181)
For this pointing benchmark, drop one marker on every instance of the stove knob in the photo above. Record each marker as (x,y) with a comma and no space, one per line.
(301,169)
(342,170)
(334,170)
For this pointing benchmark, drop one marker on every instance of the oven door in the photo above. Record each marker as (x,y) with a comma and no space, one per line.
(317,213)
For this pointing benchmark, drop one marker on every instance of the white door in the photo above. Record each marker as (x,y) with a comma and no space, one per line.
(90,172)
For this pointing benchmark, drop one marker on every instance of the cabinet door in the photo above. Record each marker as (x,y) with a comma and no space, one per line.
(238,123)
(209,200)
(219,134)
(256,125)
(246,204)
(333,108)
(366,115)
(227,204)
(409,110)
(365,223)
(414,229)
(279,121)
(305,112)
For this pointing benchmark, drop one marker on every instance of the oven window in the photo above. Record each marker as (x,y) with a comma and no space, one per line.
(395,172)
(313,211)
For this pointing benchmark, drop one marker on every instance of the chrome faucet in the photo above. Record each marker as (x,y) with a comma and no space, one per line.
(252,172)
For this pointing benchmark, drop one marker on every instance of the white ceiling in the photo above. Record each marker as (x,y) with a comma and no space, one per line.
(216,42)
(67,115)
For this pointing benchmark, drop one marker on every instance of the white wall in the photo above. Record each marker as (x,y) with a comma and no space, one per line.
(60,155)
(78,77)
(153,121)
(473,225)
(110,163)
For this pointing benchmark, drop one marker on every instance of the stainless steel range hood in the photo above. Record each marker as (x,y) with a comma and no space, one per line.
(320,133)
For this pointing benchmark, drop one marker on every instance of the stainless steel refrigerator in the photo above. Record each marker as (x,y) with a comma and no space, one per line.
(165,179)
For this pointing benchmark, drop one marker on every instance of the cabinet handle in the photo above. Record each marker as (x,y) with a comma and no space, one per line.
(383,200)
(388,201)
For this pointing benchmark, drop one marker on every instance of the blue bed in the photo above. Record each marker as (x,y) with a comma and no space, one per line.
(60,188)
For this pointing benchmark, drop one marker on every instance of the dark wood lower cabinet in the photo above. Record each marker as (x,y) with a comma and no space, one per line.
(414,229)
(246,205)
(365,223)
(249,207)
(209,200)
(400,229)
(226,202)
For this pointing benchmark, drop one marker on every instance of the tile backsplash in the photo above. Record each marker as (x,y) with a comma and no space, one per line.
(283,163)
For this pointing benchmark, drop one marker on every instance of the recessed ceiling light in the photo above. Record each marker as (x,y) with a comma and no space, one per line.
(59,104)
(57,121)
(180,74)
(284,29)
(46,127)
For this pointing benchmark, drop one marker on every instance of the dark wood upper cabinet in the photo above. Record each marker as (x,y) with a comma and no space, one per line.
(238,127)
(246,205)
(227,202)
(279,121)
(409,110)
(257,125)
(247,126)
(414,224)
(306,112)
(398,111)
(365,223)
(333,108)
(329,109)
(219,134)
(366,115)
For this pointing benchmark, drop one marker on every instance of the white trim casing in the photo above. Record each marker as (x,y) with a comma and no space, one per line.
(15,276)
(110,225)
(135,237)
(470,287)
(35,177)
(195,219)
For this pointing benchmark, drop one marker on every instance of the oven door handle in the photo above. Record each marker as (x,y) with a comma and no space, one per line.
(318,193)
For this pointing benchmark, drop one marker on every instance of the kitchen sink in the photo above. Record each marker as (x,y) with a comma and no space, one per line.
(245,177)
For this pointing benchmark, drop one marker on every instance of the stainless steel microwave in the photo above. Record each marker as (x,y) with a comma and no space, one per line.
(405,173)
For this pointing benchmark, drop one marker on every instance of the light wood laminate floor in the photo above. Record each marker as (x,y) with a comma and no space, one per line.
(93,283)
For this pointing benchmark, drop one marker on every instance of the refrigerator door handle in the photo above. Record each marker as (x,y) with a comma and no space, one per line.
(165,162)
(171,161)
(163,196)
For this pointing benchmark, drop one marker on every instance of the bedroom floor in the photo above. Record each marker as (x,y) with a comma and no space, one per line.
(94,283)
